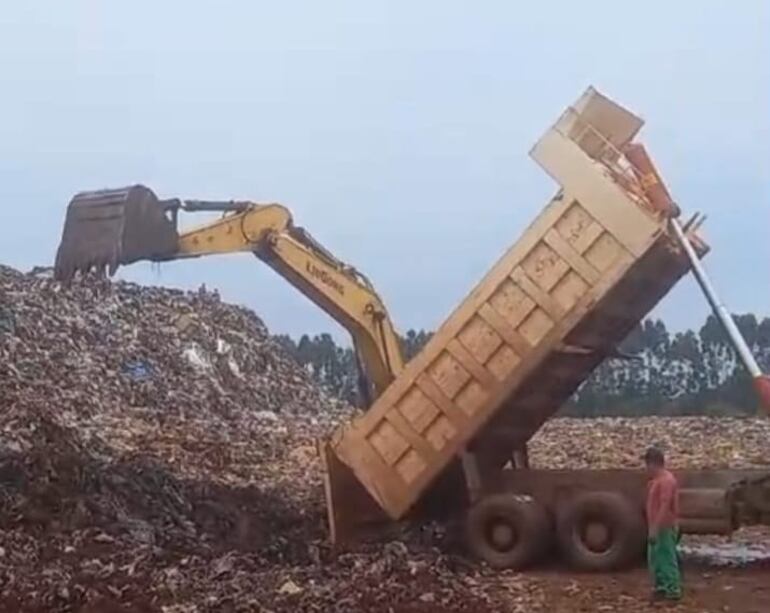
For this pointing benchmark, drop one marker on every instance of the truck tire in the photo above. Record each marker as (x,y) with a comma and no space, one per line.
(508,531)
(601,531)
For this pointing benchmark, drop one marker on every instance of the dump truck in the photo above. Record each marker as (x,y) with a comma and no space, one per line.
(446,434)
(452,429)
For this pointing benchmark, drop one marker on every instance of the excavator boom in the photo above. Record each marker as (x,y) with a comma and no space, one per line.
(109,228)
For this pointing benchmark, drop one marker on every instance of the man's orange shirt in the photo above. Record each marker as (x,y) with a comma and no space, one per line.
(663,501)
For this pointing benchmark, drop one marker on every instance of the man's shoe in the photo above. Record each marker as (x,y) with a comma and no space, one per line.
(657,596)
(672,600)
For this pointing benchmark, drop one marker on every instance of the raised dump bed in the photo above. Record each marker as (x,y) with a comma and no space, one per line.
(592,264)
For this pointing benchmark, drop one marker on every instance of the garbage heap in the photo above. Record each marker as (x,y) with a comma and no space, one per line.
(157,453)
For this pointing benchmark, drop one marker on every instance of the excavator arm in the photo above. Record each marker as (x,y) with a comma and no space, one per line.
(112,227)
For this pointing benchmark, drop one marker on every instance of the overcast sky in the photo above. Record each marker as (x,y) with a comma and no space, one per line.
(397,132)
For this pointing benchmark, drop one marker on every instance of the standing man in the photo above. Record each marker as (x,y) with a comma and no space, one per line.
(663,527)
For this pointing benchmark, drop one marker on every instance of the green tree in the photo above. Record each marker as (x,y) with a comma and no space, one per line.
(683,373)
(413,342)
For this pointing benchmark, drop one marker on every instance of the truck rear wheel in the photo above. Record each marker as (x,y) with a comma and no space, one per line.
(508,531)
(600,531)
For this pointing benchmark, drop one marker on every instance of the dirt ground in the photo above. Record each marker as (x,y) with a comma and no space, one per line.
(736,590)
(745,590)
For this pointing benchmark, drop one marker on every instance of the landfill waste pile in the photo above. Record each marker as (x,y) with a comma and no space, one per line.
(157,453)
(618,442)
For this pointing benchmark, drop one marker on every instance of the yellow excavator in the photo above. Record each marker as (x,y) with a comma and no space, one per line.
(108,228)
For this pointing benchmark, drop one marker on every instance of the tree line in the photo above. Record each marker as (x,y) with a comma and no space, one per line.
(693,372)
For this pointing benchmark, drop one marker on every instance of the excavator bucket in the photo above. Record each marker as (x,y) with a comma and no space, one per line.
(106,228)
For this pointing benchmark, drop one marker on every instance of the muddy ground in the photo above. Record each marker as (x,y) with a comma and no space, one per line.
(744,590)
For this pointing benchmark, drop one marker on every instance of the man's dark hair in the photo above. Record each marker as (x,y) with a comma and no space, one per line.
(654,456)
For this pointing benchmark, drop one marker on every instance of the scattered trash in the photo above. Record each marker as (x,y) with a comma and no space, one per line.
(7,320)
(137,370)
(718,552)
(197,357)
(290,588)
(223,566)
(103,538)
(184,321)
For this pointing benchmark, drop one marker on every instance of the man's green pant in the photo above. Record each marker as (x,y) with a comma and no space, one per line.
(664,564)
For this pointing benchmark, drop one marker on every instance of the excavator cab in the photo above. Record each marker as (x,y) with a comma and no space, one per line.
(106,228)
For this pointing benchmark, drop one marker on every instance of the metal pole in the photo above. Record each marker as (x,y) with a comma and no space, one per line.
(716,304)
